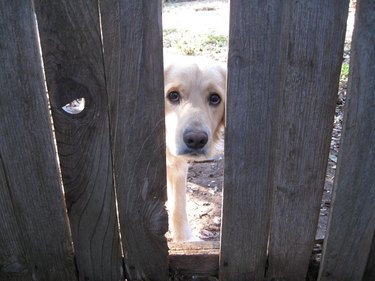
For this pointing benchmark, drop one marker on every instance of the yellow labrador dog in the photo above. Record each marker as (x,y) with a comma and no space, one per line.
(194,115)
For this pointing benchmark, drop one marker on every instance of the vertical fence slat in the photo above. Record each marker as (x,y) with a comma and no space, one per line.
(352,220)
(133,54)
(311,47)
(34,233)
(251,103)
(369,274)
(72,51)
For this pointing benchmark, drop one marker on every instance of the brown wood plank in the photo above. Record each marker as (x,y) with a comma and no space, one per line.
(352,221)
(251,101)
(311,47)
(198,259)
(34,233)
(73,57)
(134,70)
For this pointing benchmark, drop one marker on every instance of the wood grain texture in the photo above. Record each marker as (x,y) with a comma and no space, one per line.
(352,221)
(72,51)
(251,101)
(311,47)
(369,274)
(199,259)
(34,233)
(134,70)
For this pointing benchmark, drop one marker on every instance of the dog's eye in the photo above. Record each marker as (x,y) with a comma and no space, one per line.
(214,99)
(174,97)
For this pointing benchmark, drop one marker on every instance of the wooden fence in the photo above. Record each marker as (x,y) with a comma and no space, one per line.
(283,71)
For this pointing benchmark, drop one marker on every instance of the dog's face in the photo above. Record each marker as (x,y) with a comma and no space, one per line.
(194,106)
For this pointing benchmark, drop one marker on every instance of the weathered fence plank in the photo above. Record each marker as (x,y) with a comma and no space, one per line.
(251,101)
(369,274)
(72,51)
(133,59)
(311,47)
(34,233)
(352,220)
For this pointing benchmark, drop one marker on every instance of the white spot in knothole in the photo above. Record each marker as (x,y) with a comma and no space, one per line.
(75,107)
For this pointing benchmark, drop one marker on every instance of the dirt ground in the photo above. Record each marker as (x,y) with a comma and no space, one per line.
(201,28)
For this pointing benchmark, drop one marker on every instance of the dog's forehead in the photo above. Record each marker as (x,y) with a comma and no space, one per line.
(193,73)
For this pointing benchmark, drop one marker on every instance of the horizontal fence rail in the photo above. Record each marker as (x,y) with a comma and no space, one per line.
(94,208)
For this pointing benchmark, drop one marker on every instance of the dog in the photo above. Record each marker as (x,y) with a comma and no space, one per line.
(195,89)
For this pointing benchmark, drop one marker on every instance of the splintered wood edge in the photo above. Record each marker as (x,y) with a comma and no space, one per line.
(199,258)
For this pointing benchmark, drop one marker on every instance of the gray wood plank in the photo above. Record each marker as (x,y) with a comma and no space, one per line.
(73,57)
(251,101)
(34,233)
(134,70)
(311,47)
(352,221)
(369,274)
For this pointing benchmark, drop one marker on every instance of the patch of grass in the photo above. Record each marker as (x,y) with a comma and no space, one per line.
(344,71)
(168,31)
(214,45)
(203,44)
(187,49)
(218,40)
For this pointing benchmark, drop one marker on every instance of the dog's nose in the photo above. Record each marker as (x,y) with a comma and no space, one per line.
(195,139)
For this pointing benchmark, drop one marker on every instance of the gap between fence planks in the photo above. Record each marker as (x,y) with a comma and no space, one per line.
(34,234)
(73,59)
(352,220)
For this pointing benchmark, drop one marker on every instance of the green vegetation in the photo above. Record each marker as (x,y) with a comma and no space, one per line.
(344,71)
(217,40)
(168,31)
(197,44)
